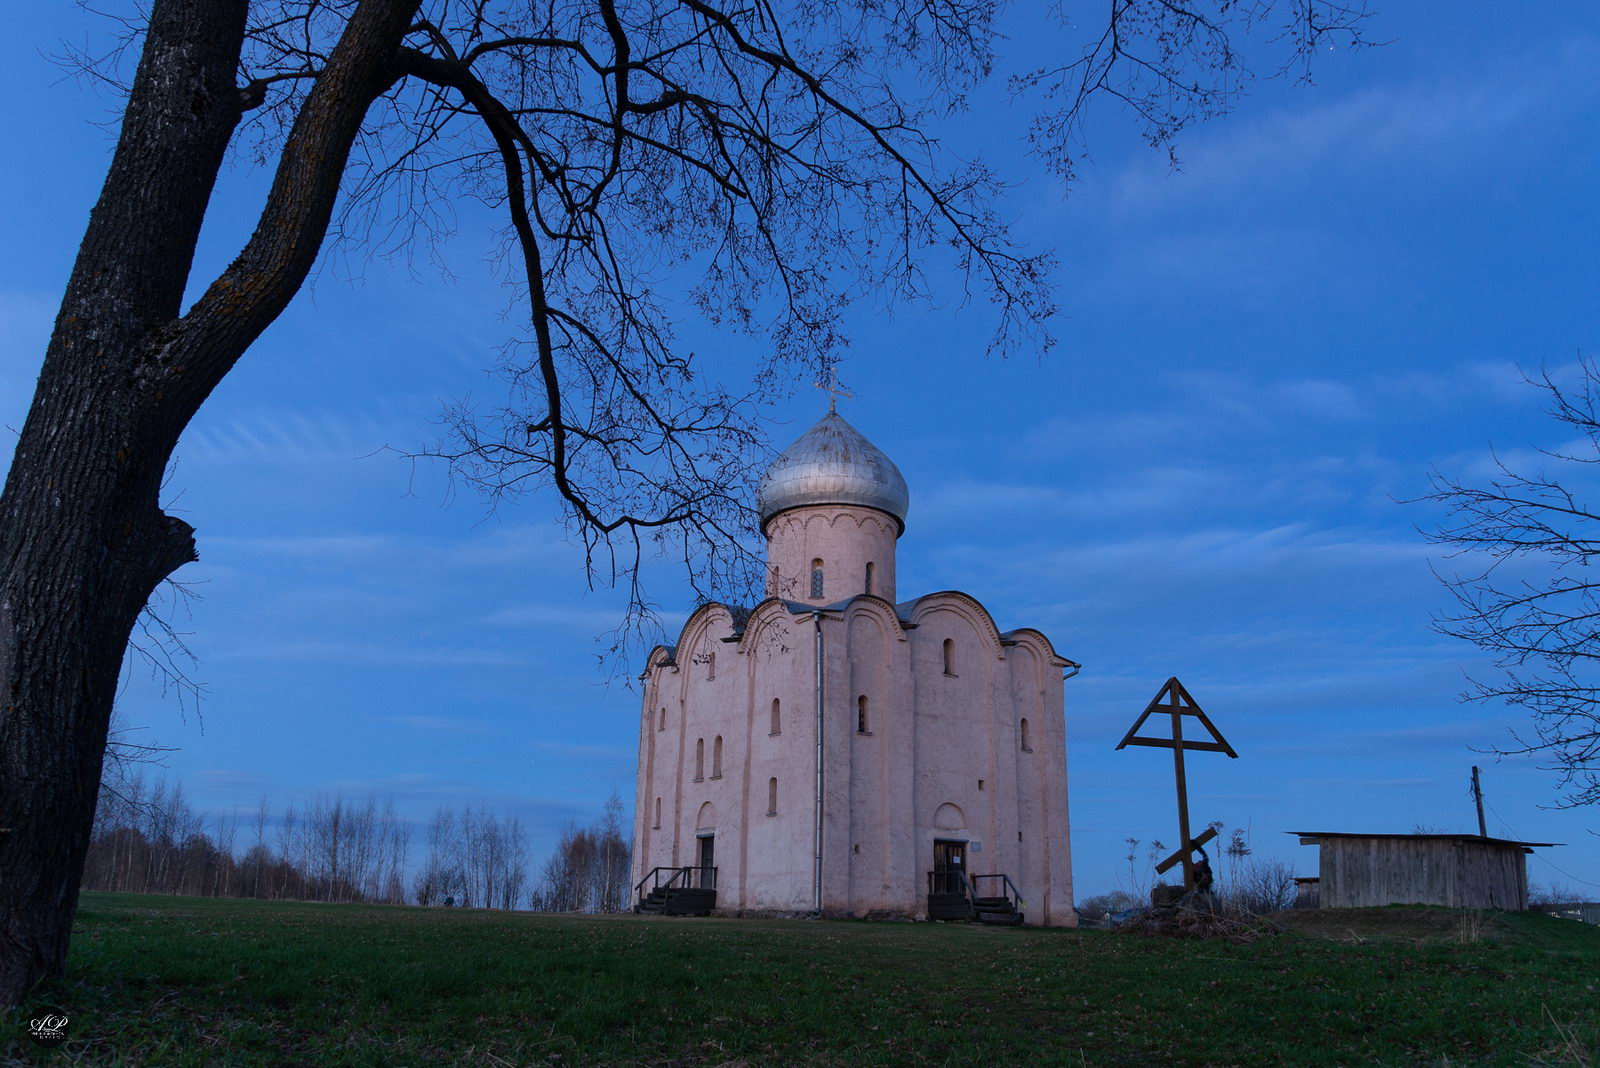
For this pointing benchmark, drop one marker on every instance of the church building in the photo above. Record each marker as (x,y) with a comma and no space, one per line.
(835,750)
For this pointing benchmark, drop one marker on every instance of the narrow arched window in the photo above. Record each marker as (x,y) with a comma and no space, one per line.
(699,759)
(772,797)
(949,656)
(657,824)
(861,715)
(1027,743)
(816,578)
(869,576)
(716,758)
(711,665)
(777,721)
(663,725)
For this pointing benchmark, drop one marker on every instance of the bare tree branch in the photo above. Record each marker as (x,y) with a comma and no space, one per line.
(1533,605)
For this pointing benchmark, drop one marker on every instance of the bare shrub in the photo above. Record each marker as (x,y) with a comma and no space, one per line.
(1262,886)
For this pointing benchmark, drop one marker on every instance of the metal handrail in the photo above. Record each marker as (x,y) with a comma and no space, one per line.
(1008,889)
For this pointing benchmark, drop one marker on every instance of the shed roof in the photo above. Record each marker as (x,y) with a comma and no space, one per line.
(1315,838)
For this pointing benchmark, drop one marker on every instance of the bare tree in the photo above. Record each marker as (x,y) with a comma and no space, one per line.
(779,153)
(440,877)
(567,881)
(226,834)
(346,845)
(288,848)
(588,872)
(259,851)
(1530,597)
(396,834)
(615,858)
(494,862)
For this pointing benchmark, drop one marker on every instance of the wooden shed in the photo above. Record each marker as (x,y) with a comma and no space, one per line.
(1456,870)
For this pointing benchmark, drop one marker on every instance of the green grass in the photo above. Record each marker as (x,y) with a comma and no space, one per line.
(157,980)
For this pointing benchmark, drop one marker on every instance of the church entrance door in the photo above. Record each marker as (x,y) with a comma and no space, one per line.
(706,877)
(949,864)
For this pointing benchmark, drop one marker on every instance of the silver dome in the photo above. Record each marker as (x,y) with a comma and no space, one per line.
(833,463)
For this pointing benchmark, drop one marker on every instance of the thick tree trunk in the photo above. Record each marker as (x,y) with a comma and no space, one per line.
(83,541)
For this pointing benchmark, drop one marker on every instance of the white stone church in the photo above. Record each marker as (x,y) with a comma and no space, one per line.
(837,751)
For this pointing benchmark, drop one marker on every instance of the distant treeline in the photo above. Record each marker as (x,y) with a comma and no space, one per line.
(149,839)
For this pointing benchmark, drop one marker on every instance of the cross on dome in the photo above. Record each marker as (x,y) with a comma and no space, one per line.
(833,390)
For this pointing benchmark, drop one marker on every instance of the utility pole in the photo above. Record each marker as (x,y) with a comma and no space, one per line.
(1477,795)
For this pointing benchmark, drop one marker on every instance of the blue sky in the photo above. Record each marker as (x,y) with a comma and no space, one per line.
(1259,355)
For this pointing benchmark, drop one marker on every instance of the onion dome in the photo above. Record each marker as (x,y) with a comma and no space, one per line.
(833,463)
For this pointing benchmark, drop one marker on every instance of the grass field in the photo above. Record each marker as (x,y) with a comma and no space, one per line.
(159,980)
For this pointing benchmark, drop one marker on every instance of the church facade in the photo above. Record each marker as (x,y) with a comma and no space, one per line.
(835,750)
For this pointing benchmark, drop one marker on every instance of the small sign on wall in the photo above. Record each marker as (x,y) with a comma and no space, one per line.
(976,847)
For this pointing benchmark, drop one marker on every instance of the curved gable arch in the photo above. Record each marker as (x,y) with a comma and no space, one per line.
(661,656)
(965,606)
(701,622)
(769,614)
(764,614)
(879,611)
(1039,643)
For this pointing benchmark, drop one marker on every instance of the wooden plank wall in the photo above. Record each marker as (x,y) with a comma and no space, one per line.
(1362,872)
(1491,877)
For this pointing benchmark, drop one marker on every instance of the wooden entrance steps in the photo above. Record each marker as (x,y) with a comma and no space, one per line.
(677,892)
(677,901)
(996,910)
(954,896)
(950,907)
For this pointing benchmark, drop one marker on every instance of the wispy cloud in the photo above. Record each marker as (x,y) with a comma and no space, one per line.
(1230,397)
(1224,550)
(377,653)
(232,779)
(332,547)
(554,615)
(489,546)
(582,752)
(444,724)
(1424,121)
(297,437)
(1408,782)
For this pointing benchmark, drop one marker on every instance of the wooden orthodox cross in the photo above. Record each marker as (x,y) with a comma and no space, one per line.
(831,388)
(1174,700)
